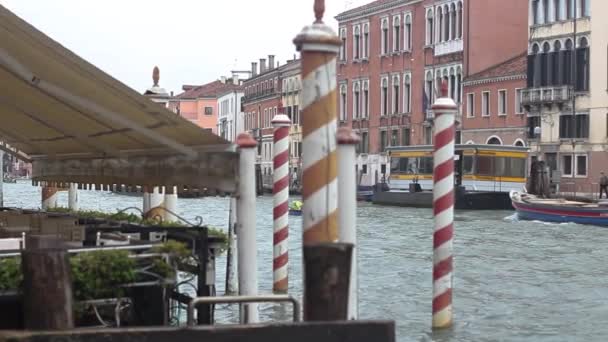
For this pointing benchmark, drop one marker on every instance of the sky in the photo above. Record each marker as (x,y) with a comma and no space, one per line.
(191,41)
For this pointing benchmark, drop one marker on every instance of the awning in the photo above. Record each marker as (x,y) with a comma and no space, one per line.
(77,124)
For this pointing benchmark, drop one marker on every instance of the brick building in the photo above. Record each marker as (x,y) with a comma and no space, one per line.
(291,83)
(395,54)
(493,113)
(566,99)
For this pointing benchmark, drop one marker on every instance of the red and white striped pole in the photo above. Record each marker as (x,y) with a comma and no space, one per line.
(444,109)
(280,192)
(49,197)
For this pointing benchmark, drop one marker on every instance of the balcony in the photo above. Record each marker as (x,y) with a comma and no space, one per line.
(451,46)
(546,96)
(259,95)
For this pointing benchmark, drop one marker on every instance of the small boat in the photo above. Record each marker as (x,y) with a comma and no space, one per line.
(559,210)
(365,193)
(295,208)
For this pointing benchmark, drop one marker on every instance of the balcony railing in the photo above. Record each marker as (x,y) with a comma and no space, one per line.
(448,47)
(259,95)
(546,95)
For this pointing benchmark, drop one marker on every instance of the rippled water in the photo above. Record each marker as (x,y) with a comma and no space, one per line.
(514,281)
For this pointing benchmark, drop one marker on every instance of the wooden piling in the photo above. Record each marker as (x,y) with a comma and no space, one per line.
(327,279)
(47,284)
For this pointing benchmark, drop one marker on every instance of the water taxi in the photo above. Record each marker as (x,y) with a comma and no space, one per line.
(484,176)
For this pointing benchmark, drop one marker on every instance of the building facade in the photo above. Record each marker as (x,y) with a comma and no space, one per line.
(394,56)
(566,99)
(492,108)
(230,113)
(291,87)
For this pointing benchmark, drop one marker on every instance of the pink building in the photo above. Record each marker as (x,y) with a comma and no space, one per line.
(199,103)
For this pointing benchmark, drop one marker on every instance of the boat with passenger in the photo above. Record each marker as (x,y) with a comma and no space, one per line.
(484,176)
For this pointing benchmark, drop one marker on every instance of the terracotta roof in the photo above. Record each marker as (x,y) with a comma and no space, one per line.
(512,67)
(212,89)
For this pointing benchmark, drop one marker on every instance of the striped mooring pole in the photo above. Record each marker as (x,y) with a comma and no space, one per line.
(280,193)
(444,109)
(319,47)
(49,197)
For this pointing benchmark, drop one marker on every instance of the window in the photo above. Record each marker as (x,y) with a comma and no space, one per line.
(459,20)
(440,24)
(568,125)
(407,94)
(446,23)
(452,21)
(405,137)
(567,165)
(519,109)
(485,103)
(395,138)
(343,102)
(533,124)
(357,43)
(582,65)
(364,148)
(343,46)
(365,40)
(356,100)
(396,33)
(208,110)
(581,165)
(365,108)
(383,141)
(429,26)
(396,94)
(384,96)
(502,102)
(470,105)
(407,33)
(384,32)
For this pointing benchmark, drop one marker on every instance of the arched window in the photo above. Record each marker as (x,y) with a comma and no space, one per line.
(459,85)
(558,69)
(384,96)
(357,43)
(519,143)
(430,25)
(365,106)
(407,33)
(546,73)
(494,140)
(586,11)
(452,84)
(439,24)
(365,40)
(396,33)
(567,61)
(407,94)
(356,100)
(582,65)
(343,102)
(459,23)
(452,21)
(446,23)
(343,46)
(396,94)
(384,27)
(428,89)
(546,13)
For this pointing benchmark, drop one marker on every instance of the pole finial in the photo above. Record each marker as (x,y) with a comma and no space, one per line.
(444,88)
(319,11)
(155,76)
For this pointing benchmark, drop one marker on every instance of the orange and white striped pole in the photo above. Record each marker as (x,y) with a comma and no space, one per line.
(49,197)
(443,208)
(280,192)
(319,46)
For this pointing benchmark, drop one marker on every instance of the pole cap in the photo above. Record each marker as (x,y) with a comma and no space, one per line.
(245,140)
(346,136)
(280,120)
(444,104)
(318,36)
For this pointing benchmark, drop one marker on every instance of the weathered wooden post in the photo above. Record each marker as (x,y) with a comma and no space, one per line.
(247,249)
(347,200)
(326,263)
(444,109)
(47,284)
(231,287)
(73,197)
(280,191)
(49,197)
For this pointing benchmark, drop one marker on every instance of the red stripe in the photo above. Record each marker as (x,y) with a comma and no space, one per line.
(280,184)
(443,170)
(280,210)
(442,268)
(281,159)
(280,235)
(442,301)
(280,261)
(281,133)
(444,137)
(443,235)
(444,202)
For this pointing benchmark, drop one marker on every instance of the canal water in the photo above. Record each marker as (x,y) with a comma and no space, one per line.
(514,281)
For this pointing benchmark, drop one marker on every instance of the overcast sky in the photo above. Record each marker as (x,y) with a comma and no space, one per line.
(191,41)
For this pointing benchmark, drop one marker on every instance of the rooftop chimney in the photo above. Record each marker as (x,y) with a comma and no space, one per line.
(254,69)
(235,79)
(270,62)
(262,65)
(223,79)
